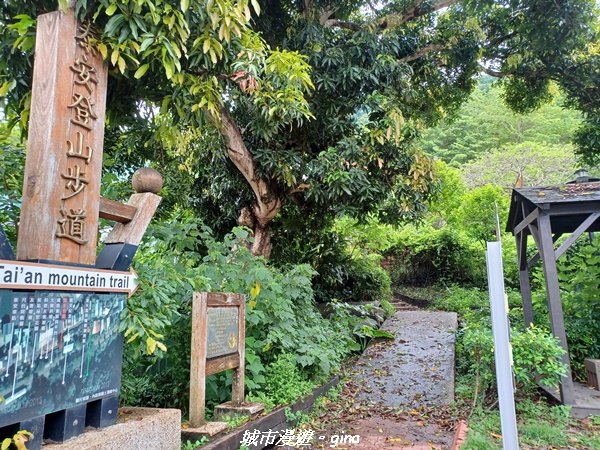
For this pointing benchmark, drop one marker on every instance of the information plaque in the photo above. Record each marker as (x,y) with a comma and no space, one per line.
(57,350)
(218,344)
(222,331)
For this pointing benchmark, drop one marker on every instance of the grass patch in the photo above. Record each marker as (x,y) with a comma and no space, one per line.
(541,434)
(479,441)
(540,426)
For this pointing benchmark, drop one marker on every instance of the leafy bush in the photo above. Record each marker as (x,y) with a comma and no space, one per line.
(536,353)
(579,277)
(473,305)
(427,255)
(286,381)
(367,280)
(12,164)
(343,255)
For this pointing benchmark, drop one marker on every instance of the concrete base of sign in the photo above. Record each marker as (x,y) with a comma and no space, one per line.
(136,429)
(229,409)
(208,429)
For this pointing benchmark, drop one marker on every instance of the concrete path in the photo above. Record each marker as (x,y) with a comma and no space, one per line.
(416,368)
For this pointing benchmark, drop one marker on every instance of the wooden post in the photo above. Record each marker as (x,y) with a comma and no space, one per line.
(61,189)
(237,394)
(132,220)
(524,282)
(557,320)
(198,360)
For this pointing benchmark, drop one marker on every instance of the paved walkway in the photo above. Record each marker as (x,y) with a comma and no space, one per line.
(416,368)
(397,387)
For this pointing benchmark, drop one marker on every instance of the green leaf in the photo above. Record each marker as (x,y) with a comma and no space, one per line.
(185,4)
(111,9)
(63,5)
(378,333)
(141,71)
(6,87)
(6,443)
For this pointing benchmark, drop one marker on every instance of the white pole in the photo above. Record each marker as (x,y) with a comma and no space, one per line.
(502,349)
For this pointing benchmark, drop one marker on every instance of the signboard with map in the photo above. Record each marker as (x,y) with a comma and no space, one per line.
(57,350)
(60,300)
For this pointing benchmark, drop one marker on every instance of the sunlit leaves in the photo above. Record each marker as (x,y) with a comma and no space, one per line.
(6,87)
(24,27)
(19,439)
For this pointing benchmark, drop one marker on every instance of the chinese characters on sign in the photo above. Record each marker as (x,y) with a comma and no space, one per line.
(61,189)
(72,219)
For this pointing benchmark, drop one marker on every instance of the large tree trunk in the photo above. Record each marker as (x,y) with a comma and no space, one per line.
(267,203)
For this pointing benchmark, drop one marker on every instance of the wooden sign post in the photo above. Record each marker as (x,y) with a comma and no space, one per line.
(61,189)
(60,344)
(218,344)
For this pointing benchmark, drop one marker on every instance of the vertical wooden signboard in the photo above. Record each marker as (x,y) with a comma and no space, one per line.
(60,345)
(61,191)
(218,344)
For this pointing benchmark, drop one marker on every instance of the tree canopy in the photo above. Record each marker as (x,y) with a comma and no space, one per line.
(254,108)
(485,124)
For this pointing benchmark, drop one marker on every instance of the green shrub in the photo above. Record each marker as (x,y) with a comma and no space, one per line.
(579,277)
(472,305)
(536,353)
(427,255)
(345,255)
(286,381)
(366,280)
(12,164)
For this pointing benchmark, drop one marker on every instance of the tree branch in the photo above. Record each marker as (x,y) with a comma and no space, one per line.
(417,10)
(330,23)
(492,72)
(302,187)
(422,52)
(267,203)
(392,19)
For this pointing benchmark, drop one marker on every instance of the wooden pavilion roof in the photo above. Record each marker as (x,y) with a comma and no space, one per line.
(568,205)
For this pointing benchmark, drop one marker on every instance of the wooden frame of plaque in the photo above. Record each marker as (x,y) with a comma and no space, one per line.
(218,344)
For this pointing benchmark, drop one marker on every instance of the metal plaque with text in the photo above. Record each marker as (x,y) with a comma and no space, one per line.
(222,331)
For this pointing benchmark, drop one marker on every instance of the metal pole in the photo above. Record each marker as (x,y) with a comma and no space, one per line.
(502,349)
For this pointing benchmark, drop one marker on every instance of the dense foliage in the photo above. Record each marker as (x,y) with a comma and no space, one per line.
(486,124)
(536,353)
(579,276)
(313,103)
(299,120)
(287,337)
(12,161)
